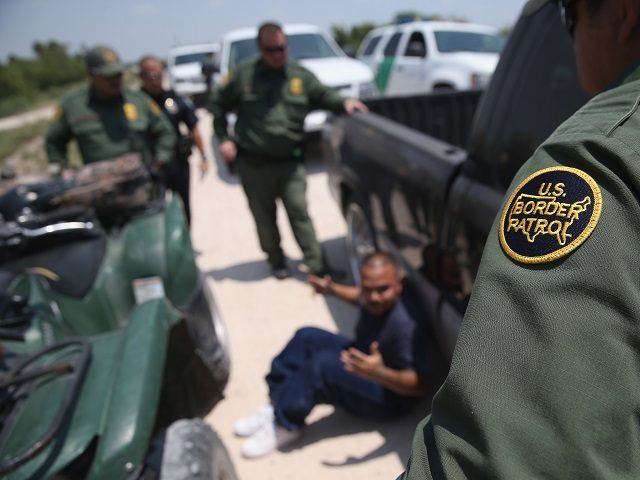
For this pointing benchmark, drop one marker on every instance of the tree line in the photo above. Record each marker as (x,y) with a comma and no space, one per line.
(23,79)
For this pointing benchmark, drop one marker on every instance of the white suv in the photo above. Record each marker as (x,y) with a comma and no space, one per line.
(315,50)
(184,65)
(422,57)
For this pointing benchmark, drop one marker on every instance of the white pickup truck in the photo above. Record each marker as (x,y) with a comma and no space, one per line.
(422,57)
(184,65)
(315,50)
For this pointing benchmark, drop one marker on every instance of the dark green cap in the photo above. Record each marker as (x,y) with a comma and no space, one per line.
(103,61)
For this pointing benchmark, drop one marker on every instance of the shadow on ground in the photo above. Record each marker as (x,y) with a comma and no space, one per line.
(397,434)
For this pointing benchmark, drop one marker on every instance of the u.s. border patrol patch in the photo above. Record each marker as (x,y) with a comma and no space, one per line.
(131,111)
(549,215)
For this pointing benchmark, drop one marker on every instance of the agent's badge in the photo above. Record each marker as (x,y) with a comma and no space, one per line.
(550,214)
(130,111)
(171,106)
(153,106)
(296,86)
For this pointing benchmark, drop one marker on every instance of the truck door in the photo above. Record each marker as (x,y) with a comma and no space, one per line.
(534,89)
(386,69)
(408,76)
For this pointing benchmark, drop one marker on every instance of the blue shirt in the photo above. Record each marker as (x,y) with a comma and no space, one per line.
(401,337)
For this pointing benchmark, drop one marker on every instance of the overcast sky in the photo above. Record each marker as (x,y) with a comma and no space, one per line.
(136,27)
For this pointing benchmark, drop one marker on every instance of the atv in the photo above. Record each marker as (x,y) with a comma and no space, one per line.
(112,345)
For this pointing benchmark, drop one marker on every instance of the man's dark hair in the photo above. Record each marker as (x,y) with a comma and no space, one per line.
(379,259)
(268,28)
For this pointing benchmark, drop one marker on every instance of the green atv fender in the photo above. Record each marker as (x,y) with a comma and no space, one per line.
(113,417)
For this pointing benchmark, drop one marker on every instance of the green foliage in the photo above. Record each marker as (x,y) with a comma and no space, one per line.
(22,81)
(350,38)
(506,31)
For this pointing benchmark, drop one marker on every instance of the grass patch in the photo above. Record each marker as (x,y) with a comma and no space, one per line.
(30,156)
(15,105)
(11,140)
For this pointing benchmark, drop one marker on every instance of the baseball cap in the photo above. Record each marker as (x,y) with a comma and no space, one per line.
(103,61)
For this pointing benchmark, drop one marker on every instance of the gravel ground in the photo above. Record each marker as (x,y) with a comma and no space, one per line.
(262,313)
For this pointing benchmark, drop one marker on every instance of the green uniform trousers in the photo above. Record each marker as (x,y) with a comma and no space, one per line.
(265,180)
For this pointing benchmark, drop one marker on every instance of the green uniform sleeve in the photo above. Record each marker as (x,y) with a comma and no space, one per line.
(162,133)
(544,381)
(322,97)
(225,99)
(58,136)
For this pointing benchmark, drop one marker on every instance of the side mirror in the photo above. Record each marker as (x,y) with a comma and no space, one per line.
(209,67)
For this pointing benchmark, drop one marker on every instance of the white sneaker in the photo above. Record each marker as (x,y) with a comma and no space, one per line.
(247,426)
(269,437)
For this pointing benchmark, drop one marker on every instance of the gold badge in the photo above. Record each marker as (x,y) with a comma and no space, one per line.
(296,86)
(131,112)
(226,79)
(153,106)
(550,214)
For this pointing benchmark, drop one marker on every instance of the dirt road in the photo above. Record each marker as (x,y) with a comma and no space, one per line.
(19,120)
(262,313)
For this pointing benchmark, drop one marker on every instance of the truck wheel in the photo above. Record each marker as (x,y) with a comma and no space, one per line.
(360,238)
(443,88)
(191,450)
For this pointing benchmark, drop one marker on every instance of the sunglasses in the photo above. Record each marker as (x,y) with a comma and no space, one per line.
(568,14)
(115,76)
(276,49)
(152,76)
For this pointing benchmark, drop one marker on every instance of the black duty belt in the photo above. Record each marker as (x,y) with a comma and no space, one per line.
(296,154)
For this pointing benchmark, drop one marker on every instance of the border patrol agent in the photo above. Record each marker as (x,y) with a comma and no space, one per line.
(272,96)
(108,120)
(545,379)
(179,111)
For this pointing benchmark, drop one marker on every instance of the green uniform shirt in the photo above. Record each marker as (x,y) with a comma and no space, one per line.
(545,379)
(106,129)
(271,106)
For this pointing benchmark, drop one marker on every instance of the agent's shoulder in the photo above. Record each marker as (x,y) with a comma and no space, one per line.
(76,95)
(610,113)
(295,68)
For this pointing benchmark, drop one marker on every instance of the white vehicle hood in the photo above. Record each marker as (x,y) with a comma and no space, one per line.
(473,62)
(338,71)
(186,70)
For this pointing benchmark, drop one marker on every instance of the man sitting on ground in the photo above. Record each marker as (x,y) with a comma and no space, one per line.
(378,375)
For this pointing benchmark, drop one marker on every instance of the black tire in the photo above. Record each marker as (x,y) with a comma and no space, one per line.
(215,351)
(209,334)
(198,363)
(191,450)
(443,88)
(360,238)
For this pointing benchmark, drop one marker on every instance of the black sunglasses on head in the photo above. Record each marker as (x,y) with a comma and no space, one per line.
(568,14)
